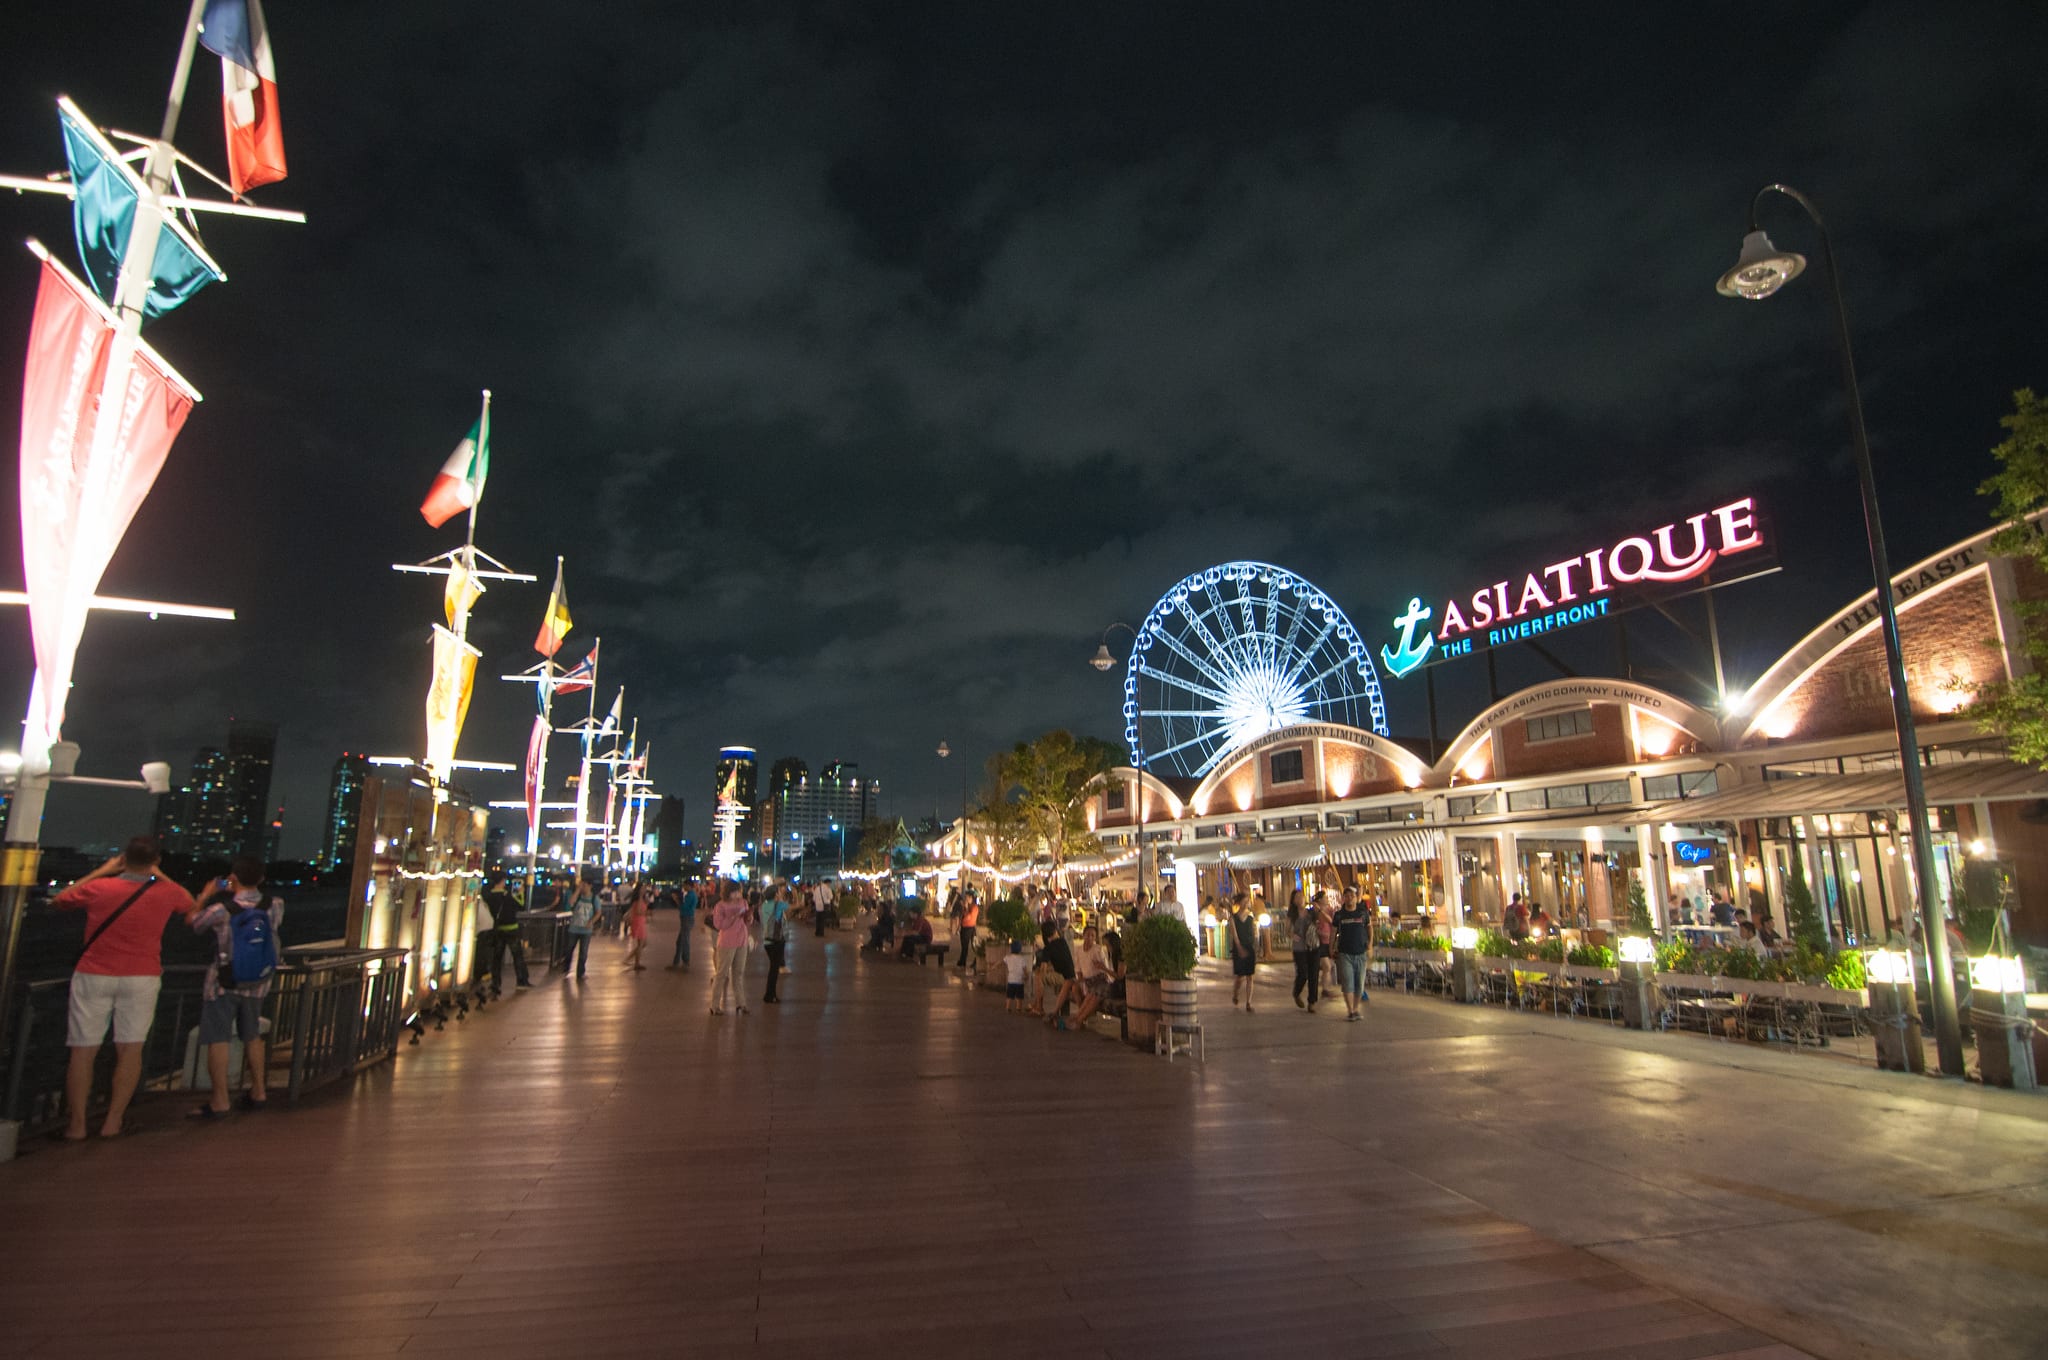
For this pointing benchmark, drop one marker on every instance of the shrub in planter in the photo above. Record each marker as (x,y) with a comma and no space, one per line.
(1591,956)
(1159,948)
(1846,971)
(1010,920)
(1550,951)
(1676,956)
(1494,945)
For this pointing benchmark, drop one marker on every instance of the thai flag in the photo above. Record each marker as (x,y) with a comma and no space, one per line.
(234,31)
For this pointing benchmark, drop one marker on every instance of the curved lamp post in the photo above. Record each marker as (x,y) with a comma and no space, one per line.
(946,750)
(1761,271)
(1103,661)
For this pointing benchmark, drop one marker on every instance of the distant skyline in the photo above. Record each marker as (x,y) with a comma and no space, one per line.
(866,362)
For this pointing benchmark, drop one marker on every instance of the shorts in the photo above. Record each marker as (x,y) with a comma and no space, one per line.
(1097,986)
(1014,990)
(231,1015)
(1351,973)
(1243,965)
(96,998)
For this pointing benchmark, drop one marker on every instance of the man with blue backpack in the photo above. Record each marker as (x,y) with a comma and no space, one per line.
(244,922)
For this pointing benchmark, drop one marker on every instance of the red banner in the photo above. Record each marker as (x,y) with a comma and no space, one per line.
(536,752)
(81,485)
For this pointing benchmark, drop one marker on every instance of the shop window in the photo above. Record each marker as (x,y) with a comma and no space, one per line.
(1525,800)
(1663,787)
(1472,807)
(1305,822)
(1209,833)
(1557,726)
(1336,821)
(1607,792)
(1284,767)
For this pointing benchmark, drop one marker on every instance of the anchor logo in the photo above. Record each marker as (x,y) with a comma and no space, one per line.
(1410,653)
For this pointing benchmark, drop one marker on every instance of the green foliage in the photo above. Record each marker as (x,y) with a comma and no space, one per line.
(1676,956)
(1639,921)
(1048,782)
(2018,709)
(1410,939)
(1550,950)
(1978,924)
(1847,972)
(1494,945)
(1802,917)
(1010,919)
(1159,948)
(1591,956)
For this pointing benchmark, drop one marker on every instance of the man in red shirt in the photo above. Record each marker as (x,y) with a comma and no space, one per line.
(117,977)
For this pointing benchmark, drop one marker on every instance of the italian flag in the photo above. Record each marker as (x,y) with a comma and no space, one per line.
(461,483)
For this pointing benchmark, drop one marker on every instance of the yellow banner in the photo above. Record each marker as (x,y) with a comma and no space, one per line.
(448,699)
(464,589)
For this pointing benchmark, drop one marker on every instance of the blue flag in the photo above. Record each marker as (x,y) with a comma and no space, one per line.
(103,213)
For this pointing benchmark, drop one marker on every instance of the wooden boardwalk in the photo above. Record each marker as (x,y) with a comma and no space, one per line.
(886,1164)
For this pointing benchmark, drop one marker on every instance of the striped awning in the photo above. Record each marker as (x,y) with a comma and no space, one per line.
(1290,853)
(1386,847)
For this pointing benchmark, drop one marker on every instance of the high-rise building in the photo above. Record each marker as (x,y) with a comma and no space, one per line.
(740,761)
(252,750)
(344,805)
(810,809)
(785,774)
(196,818)
(668,836)
(273,838)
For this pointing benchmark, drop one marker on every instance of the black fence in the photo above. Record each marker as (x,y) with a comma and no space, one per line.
(332,1011)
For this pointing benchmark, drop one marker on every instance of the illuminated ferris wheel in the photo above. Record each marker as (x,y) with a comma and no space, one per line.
(1235,652)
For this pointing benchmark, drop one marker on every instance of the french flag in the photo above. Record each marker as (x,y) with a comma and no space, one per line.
(234,31)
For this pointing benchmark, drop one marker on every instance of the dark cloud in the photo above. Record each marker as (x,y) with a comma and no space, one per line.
(864,365)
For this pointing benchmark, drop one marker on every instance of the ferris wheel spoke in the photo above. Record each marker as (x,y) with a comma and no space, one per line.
(1182,746)
(1338,665)
(1169,678)
(1294,622)
(1181,649)
(1275,648)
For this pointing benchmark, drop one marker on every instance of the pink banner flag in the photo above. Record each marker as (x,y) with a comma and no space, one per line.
(79,493)
(536,751)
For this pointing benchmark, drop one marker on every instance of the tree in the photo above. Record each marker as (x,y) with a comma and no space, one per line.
(1639,919)
(878,845)
(1049,781)
(1802,916)
(2017,709)
(1000,818)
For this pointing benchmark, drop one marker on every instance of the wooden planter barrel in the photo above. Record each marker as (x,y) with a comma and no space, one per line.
(1177,1001)
(1141,1012)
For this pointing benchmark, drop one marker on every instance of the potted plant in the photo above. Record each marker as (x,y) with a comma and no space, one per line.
(1159,958)
(1007,921)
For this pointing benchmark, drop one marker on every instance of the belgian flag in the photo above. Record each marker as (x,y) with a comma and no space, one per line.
(554,626)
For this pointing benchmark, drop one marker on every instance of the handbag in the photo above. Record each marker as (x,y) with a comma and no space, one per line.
(94,938)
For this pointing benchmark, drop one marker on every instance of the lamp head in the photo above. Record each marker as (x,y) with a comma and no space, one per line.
(1761,270)
(944,750)
(1102,660)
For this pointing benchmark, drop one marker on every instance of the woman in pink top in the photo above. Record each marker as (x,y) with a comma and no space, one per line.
(636,928)
(729,918)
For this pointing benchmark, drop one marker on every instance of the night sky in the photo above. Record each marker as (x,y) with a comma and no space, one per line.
(866,361)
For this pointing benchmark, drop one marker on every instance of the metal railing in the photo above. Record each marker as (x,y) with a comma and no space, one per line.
(335,1012)
(332,1011)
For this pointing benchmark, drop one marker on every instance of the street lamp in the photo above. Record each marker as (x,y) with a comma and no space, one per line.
(840,831)
(1103,661)
(960,881)
(1761,271)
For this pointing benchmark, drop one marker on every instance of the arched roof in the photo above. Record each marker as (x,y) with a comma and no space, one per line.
(1857,620)
(1575,692)
(1412,766)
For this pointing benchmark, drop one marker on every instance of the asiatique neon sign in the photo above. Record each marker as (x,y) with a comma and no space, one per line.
(1578,589)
